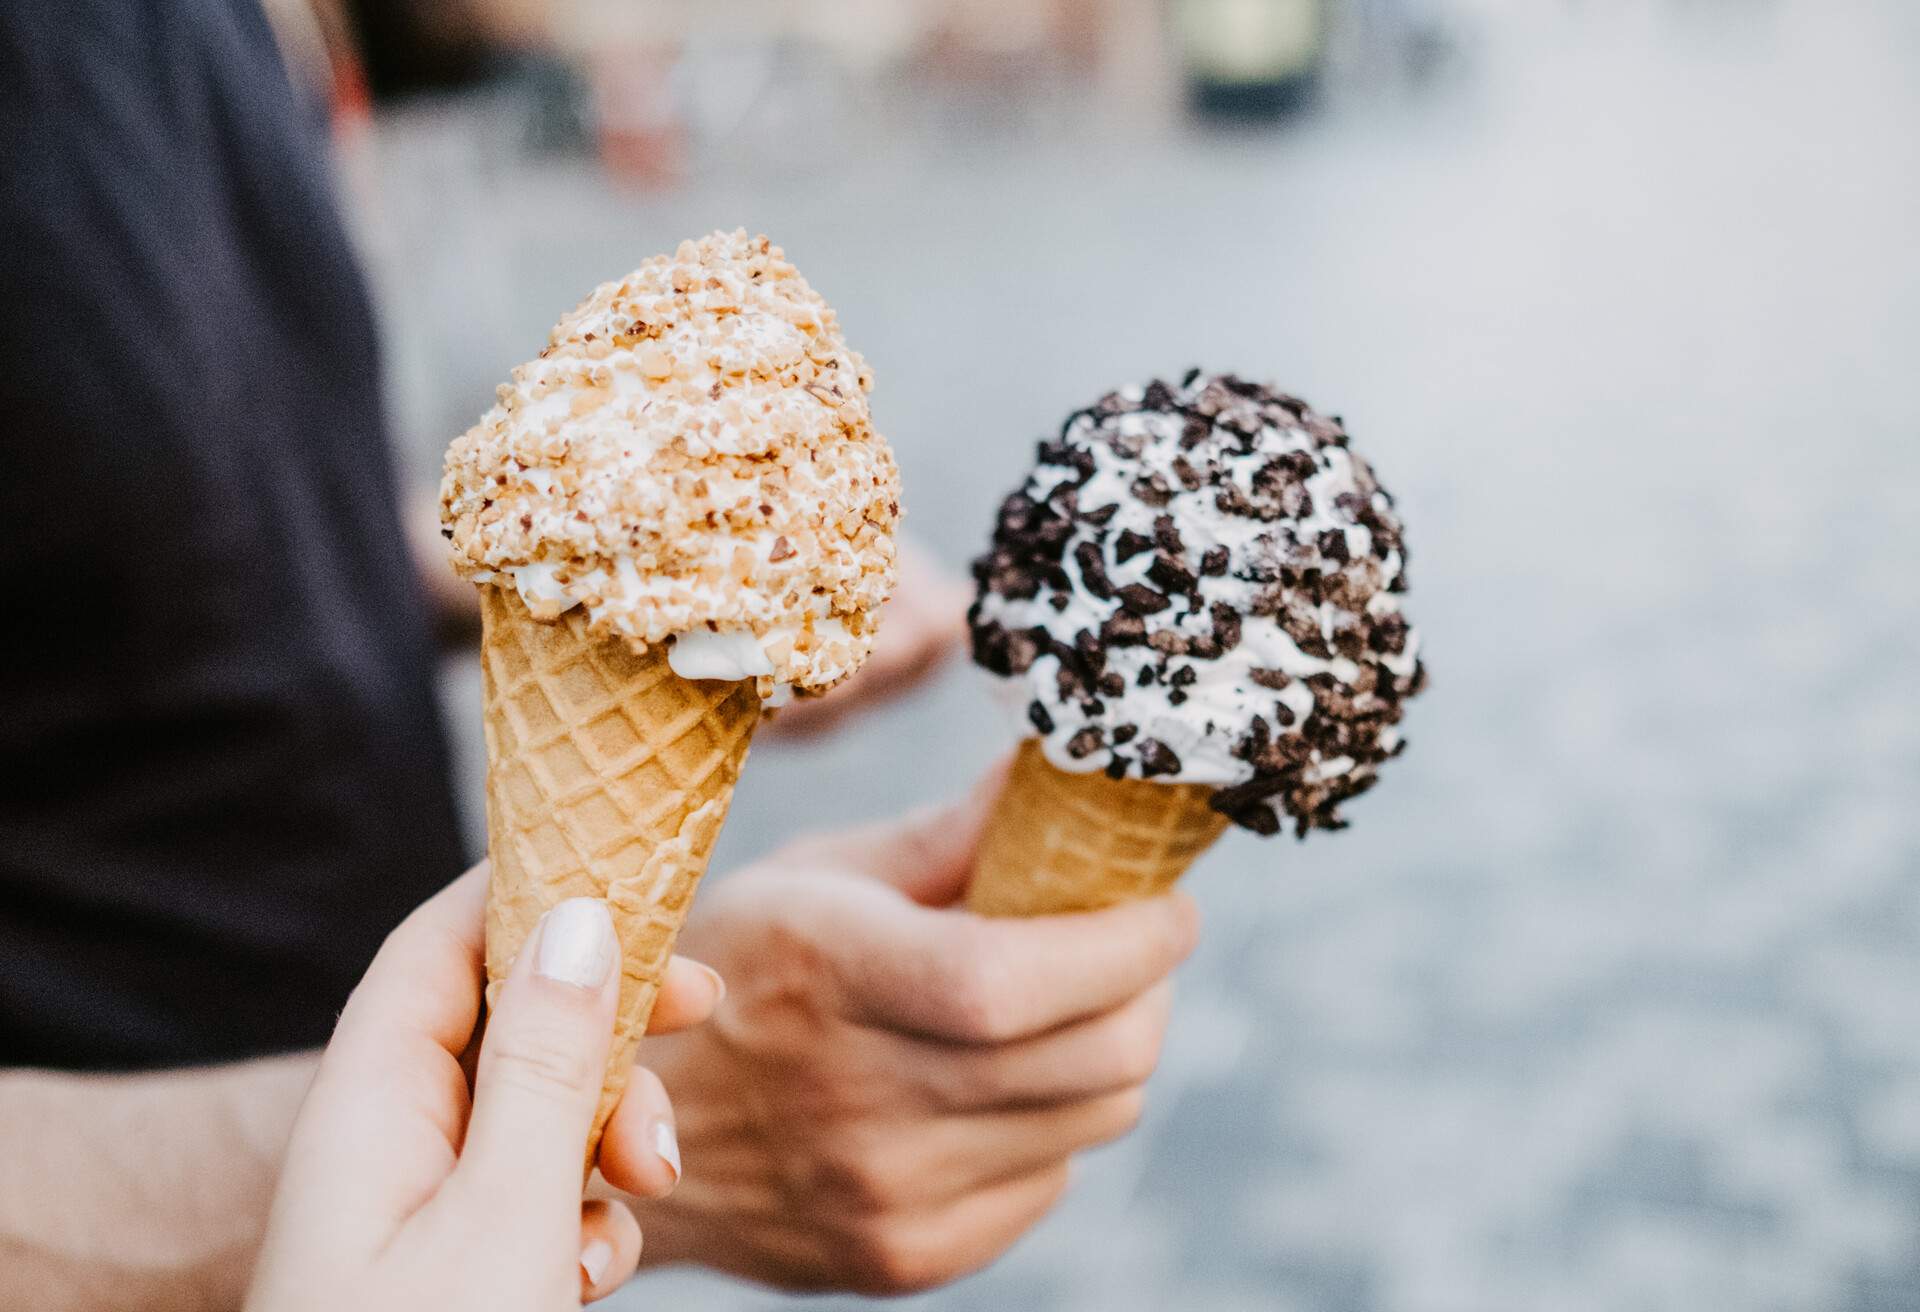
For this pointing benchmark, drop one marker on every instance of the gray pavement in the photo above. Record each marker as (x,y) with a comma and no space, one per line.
(1606,1002)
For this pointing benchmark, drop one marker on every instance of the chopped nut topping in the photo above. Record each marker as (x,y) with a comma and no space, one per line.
(691,449)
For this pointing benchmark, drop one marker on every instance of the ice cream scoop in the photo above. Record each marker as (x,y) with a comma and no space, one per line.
(676,511)
(1198,586)
(690,455)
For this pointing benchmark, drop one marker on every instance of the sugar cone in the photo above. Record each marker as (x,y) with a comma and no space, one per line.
(1077,842)
(608,776)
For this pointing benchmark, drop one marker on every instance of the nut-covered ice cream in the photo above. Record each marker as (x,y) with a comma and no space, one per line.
(678,510)
(1200,584)
(690,458)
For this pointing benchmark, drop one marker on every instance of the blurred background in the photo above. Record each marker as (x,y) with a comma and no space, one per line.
(1608,999)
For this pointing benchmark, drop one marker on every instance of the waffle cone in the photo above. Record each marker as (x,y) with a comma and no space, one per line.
(1076,842)
(608,776)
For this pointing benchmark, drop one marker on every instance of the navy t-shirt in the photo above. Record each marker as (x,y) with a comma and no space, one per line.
(224,776)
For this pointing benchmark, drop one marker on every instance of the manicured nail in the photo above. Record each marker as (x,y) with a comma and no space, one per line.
(668,1146)
(595,1258)
(576,943)
(719,984)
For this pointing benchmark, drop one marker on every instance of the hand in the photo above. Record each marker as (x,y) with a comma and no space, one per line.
(400,1192)
(892,1092)
(924,625)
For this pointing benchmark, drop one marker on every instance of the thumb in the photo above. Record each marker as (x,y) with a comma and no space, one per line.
(541,1067)
(929,855)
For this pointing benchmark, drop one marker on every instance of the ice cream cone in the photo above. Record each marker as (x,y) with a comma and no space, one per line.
(608,776)
(688,476)
(1077,842)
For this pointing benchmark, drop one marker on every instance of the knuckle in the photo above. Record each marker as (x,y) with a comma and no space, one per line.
(1135,1059)
(961,1083)
(1113,1116)
(1182,928)
(792,958)
(542,1063)
(889,1260)
(920,846)
(1136,1050)
(862,1181)
(981,998)
(1124,1112)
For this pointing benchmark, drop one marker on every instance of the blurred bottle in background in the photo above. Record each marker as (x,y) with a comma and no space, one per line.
(1251,59)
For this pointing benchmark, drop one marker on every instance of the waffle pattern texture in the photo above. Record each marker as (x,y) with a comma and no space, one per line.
(608,776)
(1077,842)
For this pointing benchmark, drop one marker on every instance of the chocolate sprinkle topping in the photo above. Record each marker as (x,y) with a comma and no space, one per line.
(1143,600)
(1157,758)
(1085,743)
(1152,490)
(1123,628)
(1093,569)
(1170,574)
(1238,465)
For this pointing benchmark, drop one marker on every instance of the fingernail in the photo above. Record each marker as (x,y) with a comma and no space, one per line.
(576,943)
(595,1258)
(719,984)
(667,1144)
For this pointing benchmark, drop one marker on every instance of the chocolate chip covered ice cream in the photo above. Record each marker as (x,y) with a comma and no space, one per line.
(1199,585)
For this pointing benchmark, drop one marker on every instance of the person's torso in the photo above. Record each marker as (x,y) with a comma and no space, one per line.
(216,700)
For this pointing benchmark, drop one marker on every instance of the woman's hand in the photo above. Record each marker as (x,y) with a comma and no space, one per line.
(403,1191)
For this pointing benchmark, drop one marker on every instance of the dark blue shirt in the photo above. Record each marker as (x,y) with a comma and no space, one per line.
(224,777)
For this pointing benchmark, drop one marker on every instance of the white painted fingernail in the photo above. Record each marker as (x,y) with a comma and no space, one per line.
(668,1146)
(595,1258)
(576,943)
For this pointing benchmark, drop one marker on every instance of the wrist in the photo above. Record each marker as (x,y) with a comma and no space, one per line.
(143,1191)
